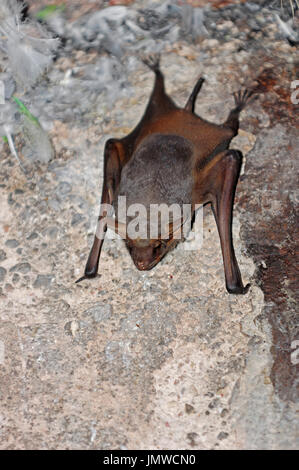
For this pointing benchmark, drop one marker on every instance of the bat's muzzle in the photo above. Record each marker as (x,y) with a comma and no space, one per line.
(143,258)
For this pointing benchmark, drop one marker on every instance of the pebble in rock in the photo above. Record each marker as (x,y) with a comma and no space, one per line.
(32,236)
(99,312)
(222,435)
(76,219)
(22,268)
(43,281)
(12,243)
(63,188)
(15,278)
(2,274)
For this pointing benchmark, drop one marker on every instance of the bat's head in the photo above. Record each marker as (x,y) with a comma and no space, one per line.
(147,252)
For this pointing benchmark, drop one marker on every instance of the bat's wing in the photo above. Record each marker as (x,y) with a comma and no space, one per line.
(216,183)
(114,156)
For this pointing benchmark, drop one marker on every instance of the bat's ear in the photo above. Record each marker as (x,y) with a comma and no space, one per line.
(118,227)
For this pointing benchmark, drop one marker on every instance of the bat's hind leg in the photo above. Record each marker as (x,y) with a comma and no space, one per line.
(159,102)
(152,61)
(241,100)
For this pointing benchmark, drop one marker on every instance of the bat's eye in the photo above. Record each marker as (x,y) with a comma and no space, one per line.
(160,246)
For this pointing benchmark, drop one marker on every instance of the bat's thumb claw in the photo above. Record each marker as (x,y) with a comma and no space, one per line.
(246,288)
(238,289)
(80,279)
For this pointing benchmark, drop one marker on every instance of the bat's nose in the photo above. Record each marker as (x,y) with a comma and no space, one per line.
(142,265)
(143,257)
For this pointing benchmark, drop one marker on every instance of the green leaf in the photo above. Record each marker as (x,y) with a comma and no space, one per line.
(25,111)
(5,139)
(49,10)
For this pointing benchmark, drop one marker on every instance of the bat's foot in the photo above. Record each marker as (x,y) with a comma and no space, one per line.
(238,289)
(152,61)
(242,98)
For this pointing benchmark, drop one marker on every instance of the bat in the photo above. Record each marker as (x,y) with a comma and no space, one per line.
(172,156)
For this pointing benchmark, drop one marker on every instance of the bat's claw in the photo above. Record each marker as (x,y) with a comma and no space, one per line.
(152,61)
(242,98)
(80,279)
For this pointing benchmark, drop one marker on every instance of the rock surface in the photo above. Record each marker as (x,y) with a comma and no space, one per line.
(164,359)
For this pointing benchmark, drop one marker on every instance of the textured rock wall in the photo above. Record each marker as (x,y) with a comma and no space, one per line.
(164,359)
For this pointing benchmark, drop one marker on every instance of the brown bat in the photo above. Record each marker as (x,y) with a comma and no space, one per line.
(173,156)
